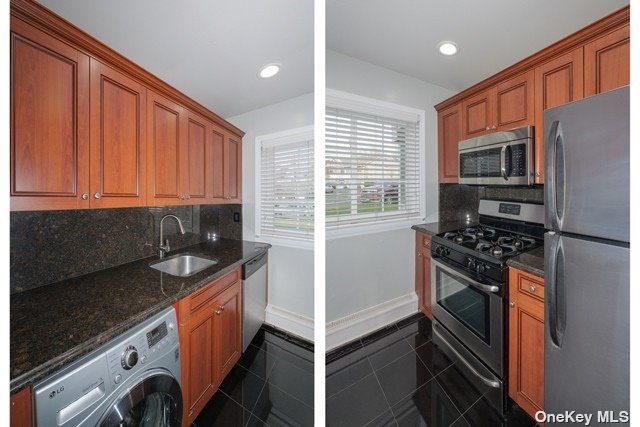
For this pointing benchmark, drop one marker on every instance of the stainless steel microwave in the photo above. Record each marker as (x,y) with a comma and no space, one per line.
(499,158)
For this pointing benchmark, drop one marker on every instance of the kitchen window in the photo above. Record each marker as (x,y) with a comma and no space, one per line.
(374,165)
(284,187)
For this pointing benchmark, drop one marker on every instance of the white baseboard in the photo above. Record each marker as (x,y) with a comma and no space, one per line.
(291,322)
(355,325)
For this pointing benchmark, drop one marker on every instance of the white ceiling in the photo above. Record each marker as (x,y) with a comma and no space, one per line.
(211,50)
(402,35)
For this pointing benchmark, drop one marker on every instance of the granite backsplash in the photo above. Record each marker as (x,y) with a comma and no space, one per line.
(458,202)
(49,246)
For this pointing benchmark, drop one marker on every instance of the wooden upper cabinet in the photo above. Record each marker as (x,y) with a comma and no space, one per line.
(557,82)
(49,148)
(449,132)
(118,143)
(478,114)
(607,62)
(526,340)
(197,155)
(234,169)
(217,177)
(514,102)
(164,128)
(227,330)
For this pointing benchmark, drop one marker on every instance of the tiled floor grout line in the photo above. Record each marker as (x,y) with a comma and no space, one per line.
(383,393)
(466,410)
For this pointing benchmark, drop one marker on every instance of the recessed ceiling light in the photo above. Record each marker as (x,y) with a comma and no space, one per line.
(448,48)
(269,70)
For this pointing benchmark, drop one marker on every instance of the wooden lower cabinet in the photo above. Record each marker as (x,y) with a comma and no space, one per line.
(20,412)
(526,340)
(210,323)
(423,273)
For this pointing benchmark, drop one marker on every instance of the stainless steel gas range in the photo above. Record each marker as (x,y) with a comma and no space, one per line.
(468,295)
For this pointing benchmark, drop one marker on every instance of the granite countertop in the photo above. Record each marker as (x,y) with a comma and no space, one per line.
(54,325)
(531,261)
(433,228)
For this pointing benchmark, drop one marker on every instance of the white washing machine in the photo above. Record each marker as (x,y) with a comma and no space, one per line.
(134,380)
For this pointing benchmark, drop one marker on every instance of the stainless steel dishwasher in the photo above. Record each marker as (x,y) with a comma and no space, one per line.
(254,297)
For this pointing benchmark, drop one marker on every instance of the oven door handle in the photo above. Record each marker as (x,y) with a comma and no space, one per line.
(485,380)
(487,288)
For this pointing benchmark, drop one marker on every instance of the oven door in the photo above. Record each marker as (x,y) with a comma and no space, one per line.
(471,310)
(508,163)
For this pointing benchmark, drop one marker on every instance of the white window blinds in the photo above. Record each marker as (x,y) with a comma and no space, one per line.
(372,168)
(285,203)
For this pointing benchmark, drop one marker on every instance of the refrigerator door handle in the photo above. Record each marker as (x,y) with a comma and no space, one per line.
(555,174)
(556,293)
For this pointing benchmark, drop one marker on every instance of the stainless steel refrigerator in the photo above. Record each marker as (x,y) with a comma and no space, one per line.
(587,255)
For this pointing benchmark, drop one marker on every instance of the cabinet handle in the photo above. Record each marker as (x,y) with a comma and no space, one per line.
(537,173)
(97,196)
(221,308)
(493,127)
(85,196)
(218,312)
(487,128)
(512,304)
(418,253)
(532,288)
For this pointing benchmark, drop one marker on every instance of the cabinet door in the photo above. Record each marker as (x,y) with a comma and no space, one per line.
(218,170)
(196,154)
(202,380)
(514,102)
(423,273)
(557,82)
(449,132)
(526,343)
(607,62)
(478,114)
(164,151)
(118,144)
(227,330)
(234,170)
(21,409)
(49,149)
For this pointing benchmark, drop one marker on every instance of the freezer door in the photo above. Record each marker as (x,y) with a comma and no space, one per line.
(586,350)
(587,166)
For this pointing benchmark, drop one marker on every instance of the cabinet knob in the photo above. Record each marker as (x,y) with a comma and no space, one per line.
(493,127)
(487,128)
(537,173)
(532,288)
(85,196)
(512,304)
(97,196)
(221,308)
(188,196)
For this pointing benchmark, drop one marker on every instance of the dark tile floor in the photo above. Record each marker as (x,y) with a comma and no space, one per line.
(397,377)
(272,385)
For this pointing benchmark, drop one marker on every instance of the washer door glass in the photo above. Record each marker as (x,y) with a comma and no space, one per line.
(155,401)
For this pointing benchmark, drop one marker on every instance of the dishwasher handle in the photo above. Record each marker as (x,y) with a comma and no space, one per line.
(250,267)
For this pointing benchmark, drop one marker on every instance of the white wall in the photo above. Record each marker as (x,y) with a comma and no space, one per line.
(290,296)
(370,278)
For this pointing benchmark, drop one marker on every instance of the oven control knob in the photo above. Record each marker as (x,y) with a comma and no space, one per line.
(446,251)
(471,264)
(481,268)
(129,357)
(438,250)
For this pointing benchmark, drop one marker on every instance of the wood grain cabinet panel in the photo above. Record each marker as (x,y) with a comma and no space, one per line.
(515,101)
(607,62)
(164,127)
(21,409)
(526,341)
(118,143)
(218,166)
(478,114)
(227,324)
(423,273)
(202,380)
(557,82)
(49,147)
(197,154)
(449,132)
(233,185)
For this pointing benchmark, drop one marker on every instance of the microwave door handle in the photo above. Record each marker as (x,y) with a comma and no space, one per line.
(503,163)
(487,288)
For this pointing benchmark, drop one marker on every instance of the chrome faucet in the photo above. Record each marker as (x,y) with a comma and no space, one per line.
(165,247)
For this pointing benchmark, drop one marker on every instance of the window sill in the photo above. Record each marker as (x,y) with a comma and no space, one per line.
(287,242)
(351,230)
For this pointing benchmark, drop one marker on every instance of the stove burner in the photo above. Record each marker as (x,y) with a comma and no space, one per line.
(458,239)
(496,251)
(506,240)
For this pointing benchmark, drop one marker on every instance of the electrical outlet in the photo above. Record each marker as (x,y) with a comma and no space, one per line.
(236,217)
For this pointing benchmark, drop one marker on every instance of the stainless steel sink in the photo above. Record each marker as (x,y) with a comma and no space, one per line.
(183,265)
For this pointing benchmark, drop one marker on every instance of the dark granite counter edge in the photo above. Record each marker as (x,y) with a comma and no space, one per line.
(31,377)
(531,262)
(433,228)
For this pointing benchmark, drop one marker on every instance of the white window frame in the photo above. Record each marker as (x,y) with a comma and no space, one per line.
(287,136)
(362,104)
